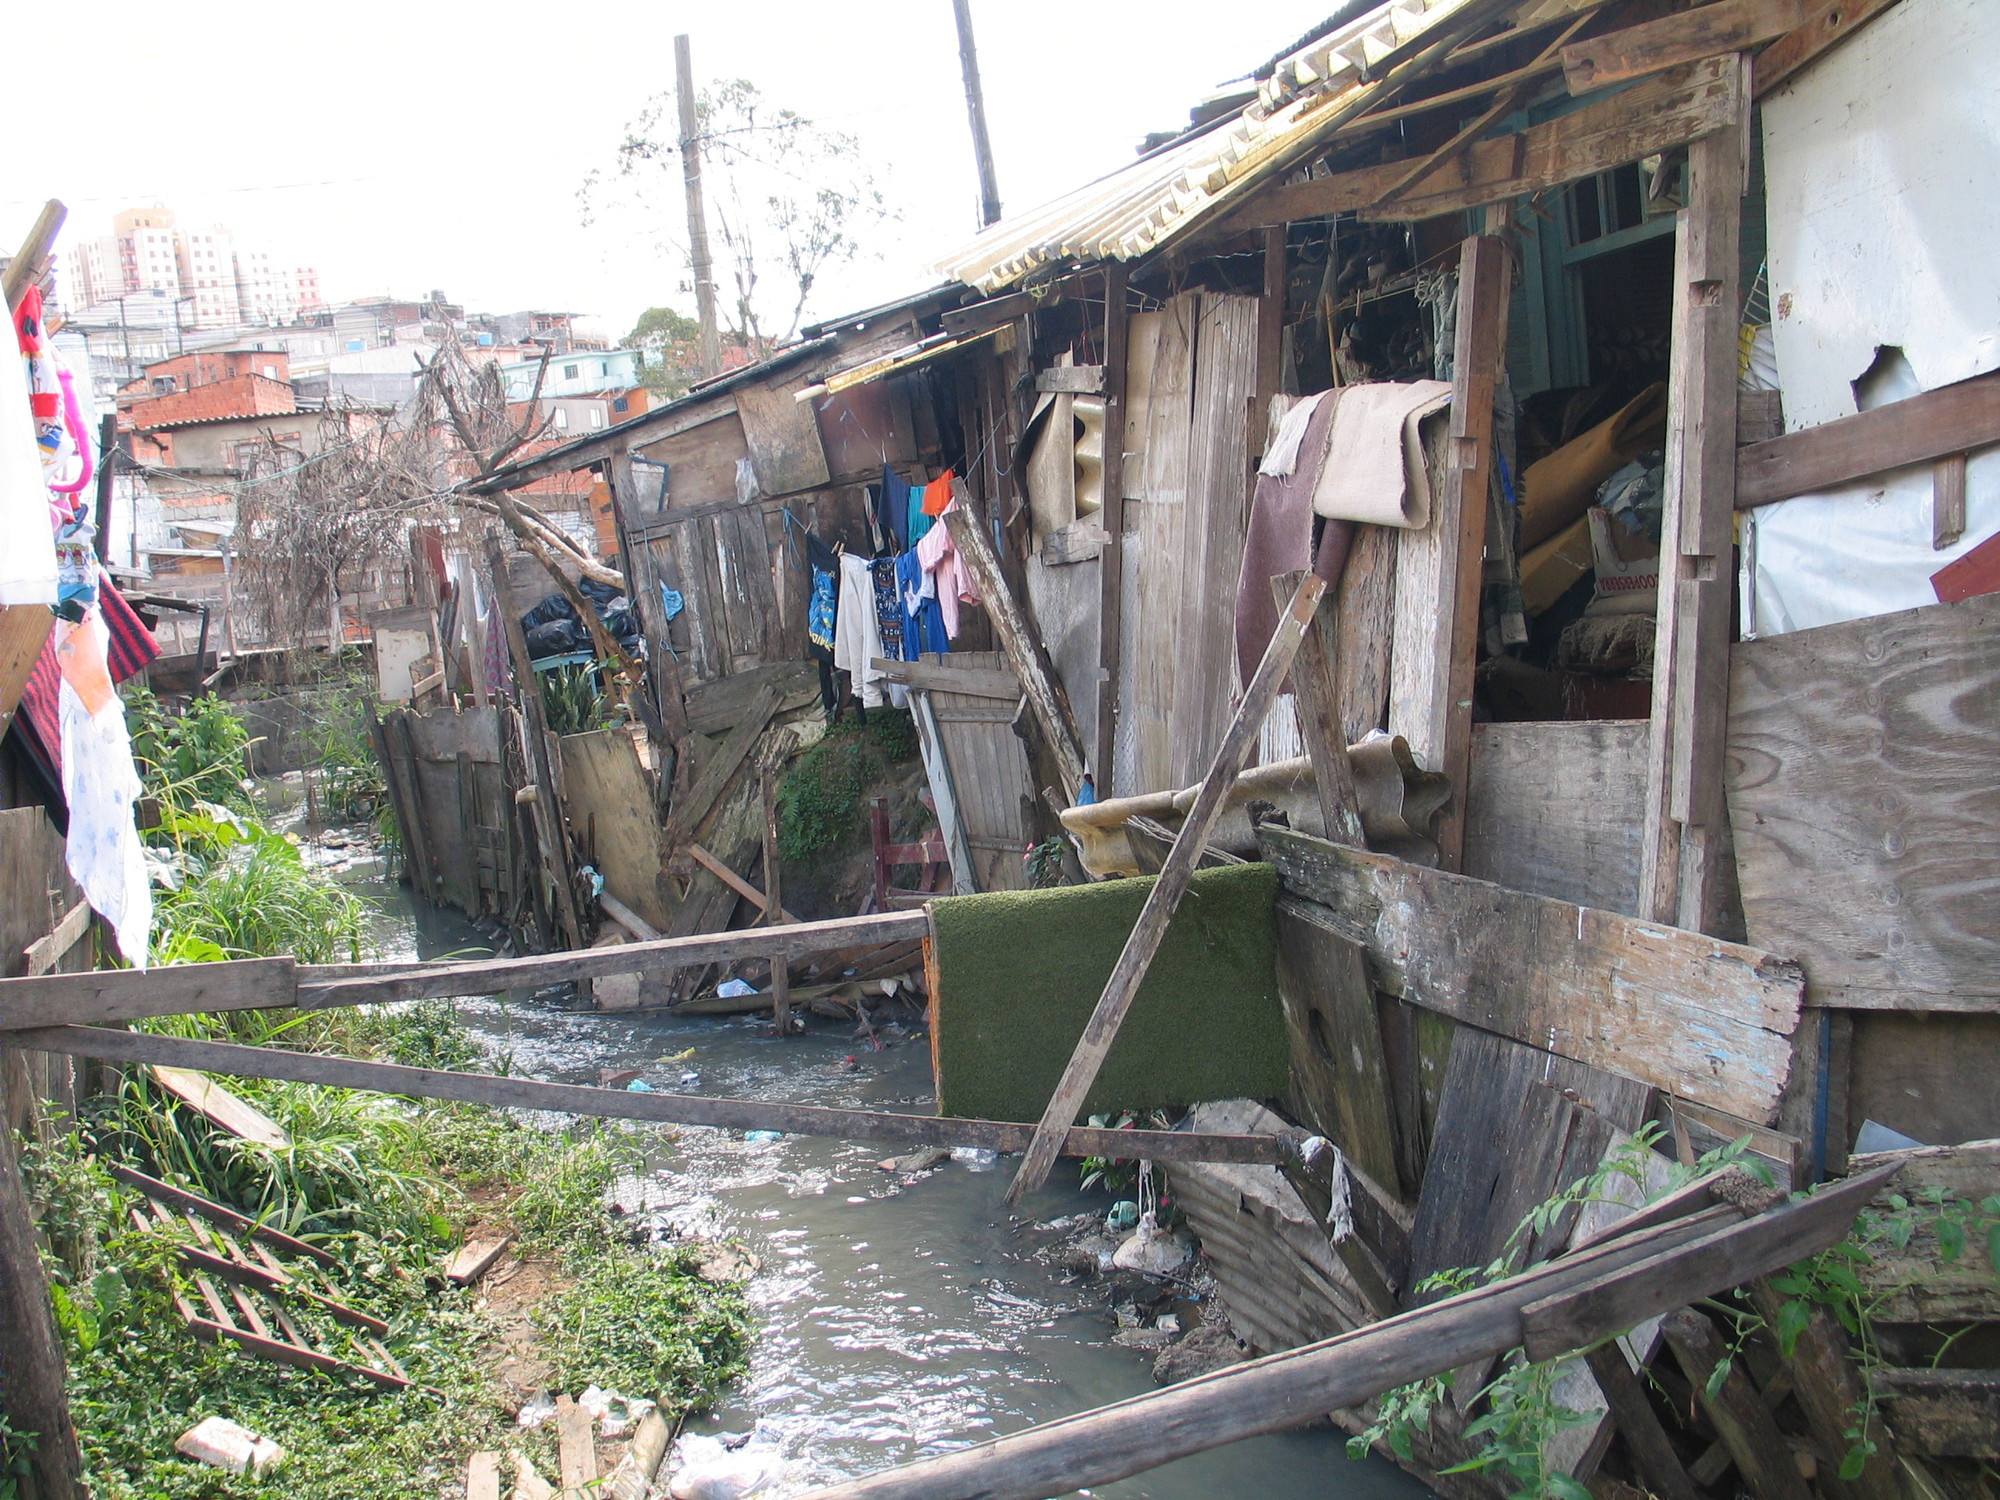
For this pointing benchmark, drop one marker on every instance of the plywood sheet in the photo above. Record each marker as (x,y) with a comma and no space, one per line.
(989,772)
(782,435)
(1554,809)
(611,812)
(1863,796)
(701,464)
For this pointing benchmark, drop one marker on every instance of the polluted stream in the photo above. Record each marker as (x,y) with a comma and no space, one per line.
(899,1316)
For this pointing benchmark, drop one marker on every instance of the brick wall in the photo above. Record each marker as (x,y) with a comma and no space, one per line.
(238,396)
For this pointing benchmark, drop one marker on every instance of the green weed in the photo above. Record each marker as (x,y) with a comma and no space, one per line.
(642,1321)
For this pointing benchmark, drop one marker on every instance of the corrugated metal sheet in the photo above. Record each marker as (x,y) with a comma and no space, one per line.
(1138,208)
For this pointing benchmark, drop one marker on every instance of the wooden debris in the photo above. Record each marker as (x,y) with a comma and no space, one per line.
(576,1446)
(1942,1413)
(618,1104)
(631,1477)
(529,1485)
(482,1477)
(1653,46)
(220,1107)
(1745,1423)
(1175,877)
(475,1258)
(1714,1023)
(215,1213)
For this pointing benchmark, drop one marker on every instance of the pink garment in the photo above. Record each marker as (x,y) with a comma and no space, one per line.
(940,559)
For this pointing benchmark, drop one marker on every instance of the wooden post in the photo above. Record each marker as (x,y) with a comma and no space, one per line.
(1111,561)
(702,267)
(1315,694)
(1479,356)
(33,1390)
(975,109)
(1831,1393)
(1022,645)
(1658,1467)
(545,807)
(1165,897)
(774,910)
(1684,807)
(32,259)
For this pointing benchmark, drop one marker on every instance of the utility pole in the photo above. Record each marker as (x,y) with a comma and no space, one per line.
(710,348)
(975,108)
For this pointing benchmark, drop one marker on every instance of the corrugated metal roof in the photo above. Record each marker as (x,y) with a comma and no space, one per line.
(1138,208)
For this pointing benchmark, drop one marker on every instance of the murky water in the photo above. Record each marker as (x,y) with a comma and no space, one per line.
(897,1321)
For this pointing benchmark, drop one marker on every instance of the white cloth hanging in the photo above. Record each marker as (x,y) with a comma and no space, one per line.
(857,633)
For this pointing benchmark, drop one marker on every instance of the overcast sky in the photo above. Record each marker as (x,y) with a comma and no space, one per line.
(418,144)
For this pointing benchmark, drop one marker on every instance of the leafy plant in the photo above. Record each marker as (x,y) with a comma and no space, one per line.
(197,756)
(1045,863)
(571,700)
(819,801)
(642,1321)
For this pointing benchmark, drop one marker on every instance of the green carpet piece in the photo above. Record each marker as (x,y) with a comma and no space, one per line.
(1019,973)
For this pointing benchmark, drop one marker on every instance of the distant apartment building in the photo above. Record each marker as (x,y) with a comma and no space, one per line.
(214,280)
(577,373)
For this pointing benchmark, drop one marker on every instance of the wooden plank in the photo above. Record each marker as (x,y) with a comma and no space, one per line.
(610,799)
(783,436)
(1314,695)
(1863,803)
(1364,621)
(129,994)
(1737,1412)
(1101,736)
(45,953)
(1514,1127)
(475,1258)
(215,1213)
(1942,1413)
(735,882)
(1653,46)
(1301,1385)
(1164,898)
(1655,115)
(1701,1018)
(689,813)
(1952,419)
(938,677)
(1339,1072)
(719,706)
(482,1477)
(1722,1258)
(1652,1452)
(1479,365)
(529,1485)
(1084,380)
(576,1448)
(1553,809)
(1916,1283)
(1425,586)
(1947,501)
(1681,857)
(24,630)
(1830,23)
(1019,641)
(220,1107)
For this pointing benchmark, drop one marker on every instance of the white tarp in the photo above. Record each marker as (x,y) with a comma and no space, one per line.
(1880,161)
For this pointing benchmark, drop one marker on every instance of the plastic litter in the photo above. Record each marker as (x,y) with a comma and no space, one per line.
(763,1137)
(1151,1251)
(709,1471)
(1124,1216)
(731,989)
(537,1410)
(221,1442)
(616,1413)
(638,1086)
(975,1158)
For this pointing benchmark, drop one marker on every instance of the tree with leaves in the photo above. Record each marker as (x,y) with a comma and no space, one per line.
(791,200)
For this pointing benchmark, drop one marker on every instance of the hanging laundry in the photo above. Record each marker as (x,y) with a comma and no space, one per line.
(1279,538)
(65,454)
(923,621)
(889,620)
(941,560)
(937,495)
(857,640)
(822,613)
(892,508)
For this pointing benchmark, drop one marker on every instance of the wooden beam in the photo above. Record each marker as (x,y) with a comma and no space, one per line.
(1830,23)
(1942,1413)
(130,994)
(945,678)
(45,953)
(1688,36)
(1953,419)
(1734,1408)
(1654,115)
(1703,1019)
(1314,692)
(1658,1467)
(773,903)
(689,813)
(24,630)
(28,264)
(735,882)
(1682,832)
(1022,645)
(1479,363)
(1102,737)
(1083,380)
(1176,875)
(1301,1385)
(619,1104)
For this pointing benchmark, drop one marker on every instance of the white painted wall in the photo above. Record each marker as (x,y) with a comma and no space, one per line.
(1881,161)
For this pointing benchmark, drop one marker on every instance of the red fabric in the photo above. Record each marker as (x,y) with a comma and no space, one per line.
(937,494)
(129,648)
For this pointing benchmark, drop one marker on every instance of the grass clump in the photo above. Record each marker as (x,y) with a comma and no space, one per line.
(820,799)
(640,1319)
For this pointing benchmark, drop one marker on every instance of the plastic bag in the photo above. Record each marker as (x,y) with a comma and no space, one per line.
(709,1471)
